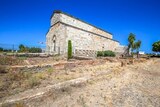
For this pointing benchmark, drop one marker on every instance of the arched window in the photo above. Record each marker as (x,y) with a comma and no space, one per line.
(54,42)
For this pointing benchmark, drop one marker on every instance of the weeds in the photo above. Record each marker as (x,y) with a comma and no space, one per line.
(50,70)
(22,58)
(33,82)
(7,60)
(41,76)
(15,82)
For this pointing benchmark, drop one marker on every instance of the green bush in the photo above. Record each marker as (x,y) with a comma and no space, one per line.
(35,50)
(106,54)
(109,53)
(99,53)
(69,49)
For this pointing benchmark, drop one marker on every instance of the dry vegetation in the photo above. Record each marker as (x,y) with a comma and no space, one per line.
(130,86)
(7,60)
(113,82)
(14,81)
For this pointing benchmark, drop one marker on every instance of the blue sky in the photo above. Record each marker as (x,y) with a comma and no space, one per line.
(27,21)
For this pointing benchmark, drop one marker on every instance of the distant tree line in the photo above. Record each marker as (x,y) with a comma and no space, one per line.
(1,49)
(5,50)
(23,49)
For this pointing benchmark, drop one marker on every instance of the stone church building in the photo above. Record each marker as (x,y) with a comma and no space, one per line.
(86,38)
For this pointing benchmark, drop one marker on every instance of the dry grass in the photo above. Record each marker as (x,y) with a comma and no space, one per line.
(19,104)
(3,69)
(50,70)
(33,82)
(7,60)
(15,82)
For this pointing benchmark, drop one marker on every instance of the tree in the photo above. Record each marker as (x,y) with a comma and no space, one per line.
(22,48)
(156,46)
(69,49)
(136,46)
(131,40)
(1,49)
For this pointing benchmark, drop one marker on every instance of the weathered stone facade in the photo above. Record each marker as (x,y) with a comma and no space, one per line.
(83,35)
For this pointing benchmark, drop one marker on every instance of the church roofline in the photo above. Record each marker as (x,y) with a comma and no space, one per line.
(59,11)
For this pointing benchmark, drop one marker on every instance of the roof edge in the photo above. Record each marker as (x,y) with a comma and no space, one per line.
(59,11)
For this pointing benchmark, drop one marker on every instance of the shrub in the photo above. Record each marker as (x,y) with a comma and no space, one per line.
(109,53)
(106,53)
(69,49)
(99,53)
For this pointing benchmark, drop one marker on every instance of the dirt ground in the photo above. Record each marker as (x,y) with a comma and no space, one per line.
(109,84)
(133,86)
(13,81)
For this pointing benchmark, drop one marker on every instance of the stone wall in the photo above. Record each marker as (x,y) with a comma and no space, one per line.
(121,49)
(77,23)
(84,40)
(55,18)
(58,31)
(83,36)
